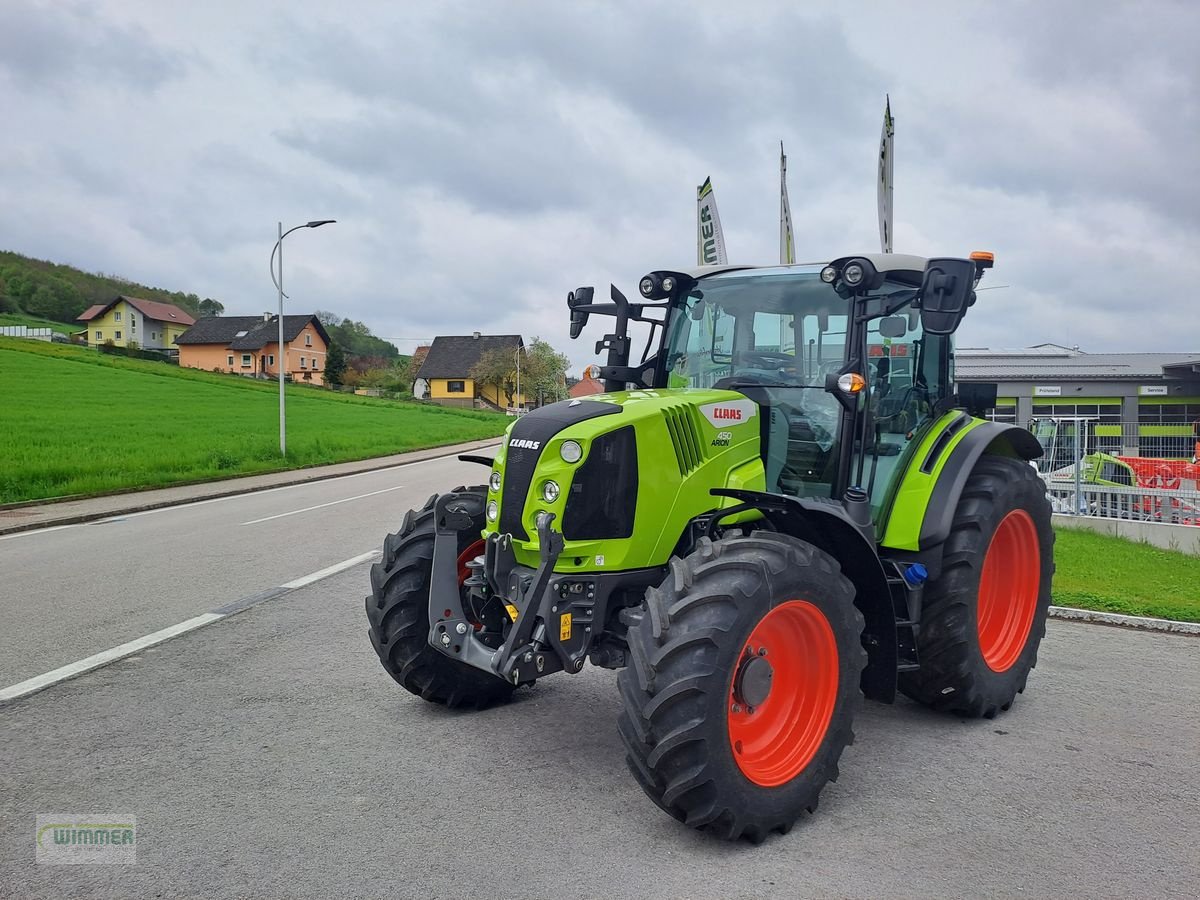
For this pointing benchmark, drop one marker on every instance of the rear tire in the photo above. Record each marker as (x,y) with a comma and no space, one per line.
(694,745)
(398,615)
(984,618)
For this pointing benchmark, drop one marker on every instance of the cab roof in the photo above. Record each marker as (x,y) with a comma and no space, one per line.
(883,262)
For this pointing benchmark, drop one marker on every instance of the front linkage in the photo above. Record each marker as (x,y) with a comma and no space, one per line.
(553,616)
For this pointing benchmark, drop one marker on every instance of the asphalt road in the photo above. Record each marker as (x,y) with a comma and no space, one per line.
(269,755)
(69,592)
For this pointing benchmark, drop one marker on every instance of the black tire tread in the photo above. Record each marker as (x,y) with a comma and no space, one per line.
(398,622)
(952,677)
(673,639)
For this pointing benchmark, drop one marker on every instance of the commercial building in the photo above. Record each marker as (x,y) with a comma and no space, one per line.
(1144,404)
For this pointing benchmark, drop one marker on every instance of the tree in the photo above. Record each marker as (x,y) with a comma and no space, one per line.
(335,363)
(497,369)
(544,372)
(209,308)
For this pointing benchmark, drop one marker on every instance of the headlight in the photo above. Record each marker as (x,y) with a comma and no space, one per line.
(550,491)
(853,274)
(492,510)
(828,274)
(570,451)
(494,481)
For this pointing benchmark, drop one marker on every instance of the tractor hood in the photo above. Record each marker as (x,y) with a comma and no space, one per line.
(643,465)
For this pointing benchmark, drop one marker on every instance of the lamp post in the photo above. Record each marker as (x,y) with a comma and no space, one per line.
(279,285)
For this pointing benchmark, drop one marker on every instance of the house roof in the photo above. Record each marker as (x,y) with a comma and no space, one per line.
(248,332)
(454,356)
(584,387)
(151,309)
(1051,361)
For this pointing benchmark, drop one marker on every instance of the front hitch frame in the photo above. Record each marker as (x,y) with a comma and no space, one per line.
(525,654)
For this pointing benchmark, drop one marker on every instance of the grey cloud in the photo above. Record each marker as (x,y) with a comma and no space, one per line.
(55,46)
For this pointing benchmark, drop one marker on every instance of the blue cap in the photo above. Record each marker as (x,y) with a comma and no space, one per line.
(916,574)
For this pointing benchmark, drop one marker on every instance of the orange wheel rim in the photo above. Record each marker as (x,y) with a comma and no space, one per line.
(774,741)
(476,549)
(1009,587)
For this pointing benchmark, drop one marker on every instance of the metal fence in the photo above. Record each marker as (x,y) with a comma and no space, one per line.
(26,331)
(1139,504)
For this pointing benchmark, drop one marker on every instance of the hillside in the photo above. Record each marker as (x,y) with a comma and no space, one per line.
(74,421)
(39,292)
(50,290)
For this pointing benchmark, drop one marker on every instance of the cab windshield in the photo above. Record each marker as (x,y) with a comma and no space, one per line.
(783,330)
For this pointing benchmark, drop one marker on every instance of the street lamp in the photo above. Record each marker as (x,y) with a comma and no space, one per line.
(279,284)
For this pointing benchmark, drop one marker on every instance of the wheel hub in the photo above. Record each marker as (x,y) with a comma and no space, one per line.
(752,685)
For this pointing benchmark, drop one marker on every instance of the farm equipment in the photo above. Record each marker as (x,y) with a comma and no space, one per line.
(1072,462)
(783,507)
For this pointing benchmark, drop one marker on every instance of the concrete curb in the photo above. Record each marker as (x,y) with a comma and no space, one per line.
(1106,618)
(47,514)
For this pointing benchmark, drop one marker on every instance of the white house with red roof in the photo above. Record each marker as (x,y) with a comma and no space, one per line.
(131,320)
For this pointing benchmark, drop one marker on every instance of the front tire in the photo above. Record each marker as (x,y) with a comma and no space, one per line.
(985,617)
(695,740)
(398,614)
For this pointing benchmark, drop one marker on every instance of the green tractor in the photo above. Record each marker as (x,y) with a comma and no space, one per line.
(784,507)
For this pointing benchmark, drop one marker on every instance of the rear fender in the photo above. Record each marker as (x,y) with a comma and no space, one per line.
(922,507)
(992,438)
(826,525)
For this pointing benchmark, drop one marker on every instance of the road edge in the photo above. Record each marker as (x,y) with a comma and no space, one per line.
(1145,623)
(282,478)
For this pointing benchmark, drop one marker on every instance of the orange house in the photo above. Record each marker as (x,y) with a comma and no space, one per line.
(249,345)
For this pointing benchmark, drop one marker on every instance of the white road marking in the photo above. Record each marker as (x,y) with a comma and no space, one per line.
(185,504)
(296,512)
(103,658)
(331,570)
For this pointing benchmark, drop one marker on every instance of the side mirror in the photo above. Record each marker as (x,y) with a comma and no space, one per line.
(579,297)
(977,397)
(893,327)
(946,291)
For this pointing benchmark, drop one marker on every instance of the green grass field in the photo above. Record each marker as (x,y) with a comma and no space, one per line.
(75,421)
(1115,575)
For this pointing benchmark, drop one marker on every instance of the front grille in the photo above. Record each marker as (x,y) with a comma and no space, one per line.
(520,462)
(603,496)
(689,452)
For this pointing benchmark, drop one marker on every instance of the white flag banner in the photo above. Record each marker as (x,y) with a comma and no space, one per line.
(787,243)
(883,184)
(710,242)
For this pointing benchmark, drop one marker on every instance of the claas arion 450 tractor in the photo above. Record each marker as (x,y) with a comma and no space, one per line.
(785,506)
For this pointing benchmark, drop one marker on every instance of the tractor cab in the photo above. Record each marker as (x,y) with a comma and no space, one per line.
(784,338)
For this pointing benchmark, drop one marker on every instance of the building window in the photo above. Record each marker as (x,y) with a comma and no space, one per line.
(307,339)
(133,323)
(303,364)
(117,316)
(271,360)
(456,387)
(154,335)
(245,360)
(116,335)
(230,358)
(99,335)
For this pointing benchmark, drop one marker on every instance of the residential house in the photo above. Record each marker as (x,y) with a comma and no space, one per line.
(131,320)
(585,387)
(249,345)
(447,370)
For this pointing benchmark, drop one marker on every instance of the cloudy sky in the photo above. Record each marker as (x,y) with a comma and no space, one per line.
(482,158)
